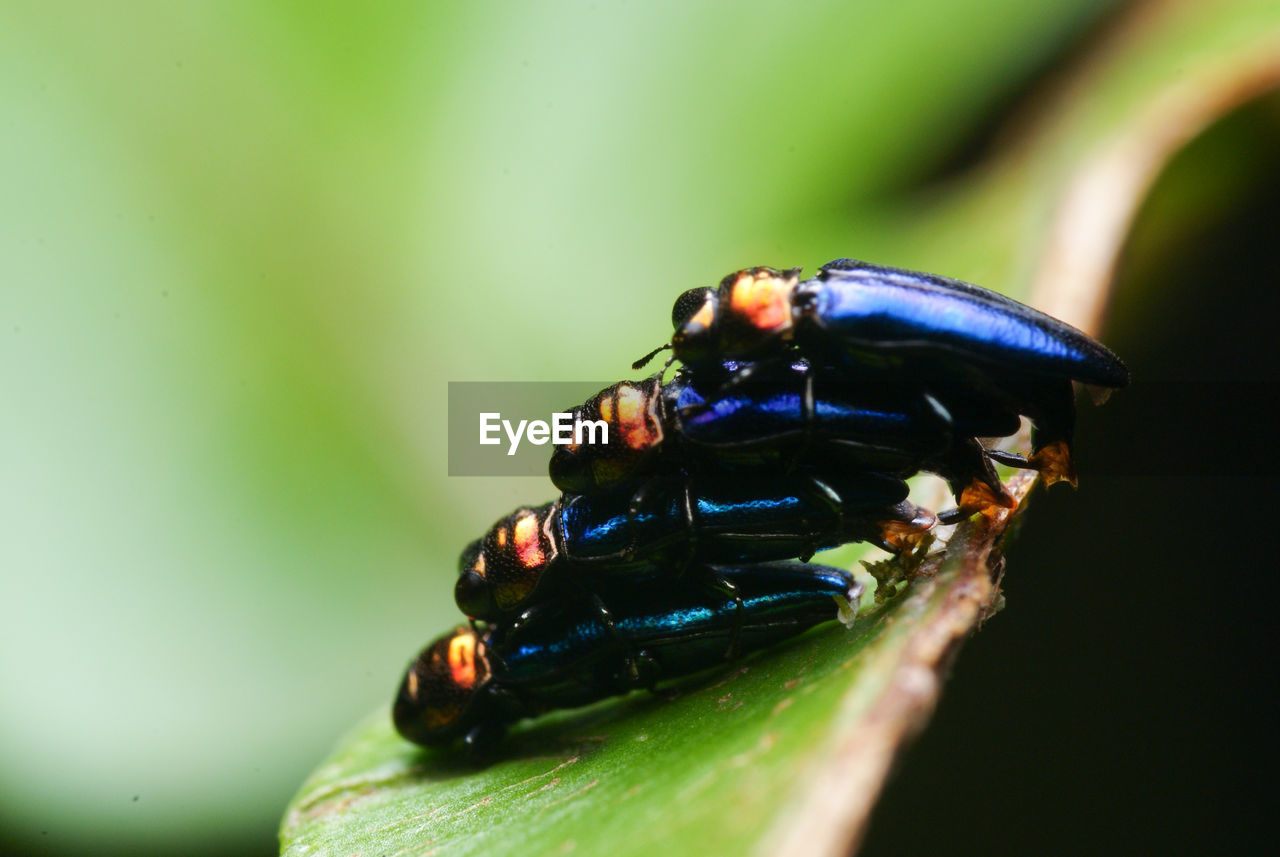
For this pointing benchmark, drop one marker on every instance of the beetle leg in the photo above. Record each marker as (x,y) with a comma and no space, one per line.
(691,411)
(725,587)
(483,737)
(808,411)
(638,500)
(831,498)
(745,373)
(973,482)
(520,620)
(737,378)
(906,532)
(1055,463)
(691,522)
(1052,461)
(985,491)
(641,668)
(643,671)
(1052,425)
(977,498)
(631,656)
(1010,459)
(884,545)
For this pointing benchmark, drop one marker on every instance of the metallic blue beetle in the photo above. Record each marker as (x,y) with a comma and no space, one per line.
(971,348)
(579,542)
(874,307)
(471,685)
(783,415)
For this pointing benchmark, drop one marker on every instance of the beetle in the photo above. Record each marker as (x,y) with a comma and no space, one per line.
(783,415)
(471,684)
(971,348)
(537,553)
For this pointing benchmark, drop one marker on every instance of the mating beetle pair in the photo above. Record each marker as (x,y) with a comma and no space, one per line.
(801,407)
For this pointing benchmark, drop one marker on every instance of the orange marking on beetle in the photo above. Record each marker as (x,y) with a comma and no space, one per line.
(630,404)
(763,298)
(705,315)
(462,660)
(478,565)
(637,422)
(500,536)
(606,409)
(528,544)
(412,682)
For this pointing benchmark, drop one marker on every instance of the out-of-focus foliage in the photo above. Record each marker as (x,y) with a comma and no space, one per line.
(244,247)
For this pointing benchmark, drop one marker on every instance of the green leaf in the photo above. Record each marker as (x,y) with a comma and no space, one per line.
(786,752)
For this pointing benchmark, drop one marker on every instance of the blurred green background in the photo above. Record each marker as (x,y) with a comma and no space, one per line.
(245,246)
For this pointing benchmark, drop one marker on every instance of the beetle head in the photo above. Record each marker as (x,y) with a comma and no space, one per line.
(694,317)
(498,573)
(441,697)
(472,591)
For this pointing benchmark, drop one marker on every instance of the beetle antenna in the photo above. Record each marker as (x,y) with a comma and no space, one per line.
(644,361)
